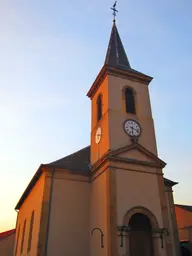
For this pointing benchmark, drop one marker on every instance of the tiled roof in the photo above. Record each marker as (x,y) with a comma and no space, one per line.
(185,207)
(77,162)
(7,233)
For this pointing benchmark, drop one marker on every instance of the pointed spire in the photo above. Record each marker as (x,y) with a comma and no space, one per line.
(116,55)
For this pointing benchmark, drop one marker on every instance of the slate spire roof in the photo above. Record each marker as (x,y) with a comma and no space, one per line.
(116,55)
(117,63)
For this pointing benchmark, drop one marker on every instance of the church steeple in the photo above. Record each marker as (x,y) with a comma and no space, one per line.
(116,55)
(119,93)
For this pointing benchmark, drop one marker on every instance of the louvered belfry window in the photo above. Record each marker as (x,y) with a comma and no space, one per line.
(130,101)
(99,107)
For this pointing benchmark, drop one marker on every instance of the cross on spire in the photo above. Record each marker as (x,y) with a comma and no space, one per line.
(114,11)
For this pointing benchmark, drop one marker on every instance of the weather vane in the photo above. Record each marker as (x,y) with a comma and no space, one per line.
(114,10)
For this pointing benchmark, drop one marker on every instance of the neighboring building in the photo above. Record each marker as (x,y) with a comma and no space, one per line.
(7,240)
(109,198)
(190,233)
(184,222)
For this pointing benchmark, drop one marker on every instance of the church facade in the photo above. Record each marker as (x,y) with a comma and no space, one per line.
(111,197)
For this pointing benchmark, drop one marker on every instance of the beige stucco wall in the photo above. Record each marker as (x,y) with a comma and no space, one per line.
(32,203)
(114,115)
(117,113)
(69,215)
(113,137)
(172,227)
(138,189)
(98,214)
(7,245)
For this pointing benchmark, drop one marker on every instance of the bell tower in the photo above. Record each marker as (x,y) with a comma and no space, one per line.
(121,111)
(127,184)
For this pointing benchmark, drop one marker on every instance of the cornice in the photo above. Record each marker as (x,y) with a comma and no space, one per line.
(118,72)
(113,156)
(134,161)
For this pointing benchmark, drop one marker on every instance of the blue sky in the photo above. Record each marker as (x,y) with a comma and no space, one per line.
(51,52)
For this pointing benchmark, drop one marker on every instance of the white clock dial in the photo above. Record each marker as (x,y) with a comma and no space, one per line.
(132,128)
(98,135)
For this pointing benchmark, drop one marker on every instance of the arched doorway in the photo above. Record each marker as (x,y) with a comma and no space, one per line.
(140,237)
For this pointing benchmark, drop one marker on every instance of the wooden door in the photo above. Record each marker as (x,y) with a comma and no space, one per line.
(140,237)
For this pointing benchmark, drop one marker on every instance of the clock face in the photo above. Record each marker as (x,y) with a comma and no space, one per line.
(98,135)
(132,128)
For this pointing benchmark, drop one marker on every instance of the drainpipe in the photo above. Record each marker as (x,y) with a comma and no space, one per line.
(14,252)
(49,211)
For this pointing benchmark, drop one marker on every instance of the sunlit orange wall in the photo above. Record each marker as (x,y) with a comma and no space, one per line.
(32,203)
(98,150)
(184,219)
(69,216)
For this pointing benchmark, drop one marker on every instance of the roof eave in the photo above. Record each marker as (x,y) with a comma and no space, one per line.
(70,170)
(100,77)
(29,187)
(170,183)
(185,207)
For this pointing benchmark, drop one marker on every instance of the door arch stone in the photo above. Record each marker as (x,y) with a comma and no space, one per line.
(141,216)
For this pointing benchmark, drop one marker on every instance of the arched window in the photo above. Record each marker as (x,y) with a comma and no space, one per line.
(30,231)
(99,107)
(130,101)
(23,237)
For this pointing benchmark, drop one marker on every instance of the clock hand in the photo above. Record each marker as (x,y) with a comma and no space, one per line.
(132,129)
(135,130)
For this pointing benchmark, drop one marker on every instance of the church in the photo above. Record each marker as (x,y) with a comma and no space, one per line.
(110,198)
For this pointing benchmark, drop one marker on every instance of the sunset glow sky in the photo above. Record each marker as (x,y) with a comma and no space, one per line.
(51,52)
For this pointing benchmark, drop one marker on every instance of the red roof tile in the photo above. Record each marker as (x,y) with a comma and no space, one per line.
(7,233)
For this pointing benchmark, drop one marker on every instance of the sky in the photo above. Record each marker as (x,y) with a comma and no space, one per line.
(50,54)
